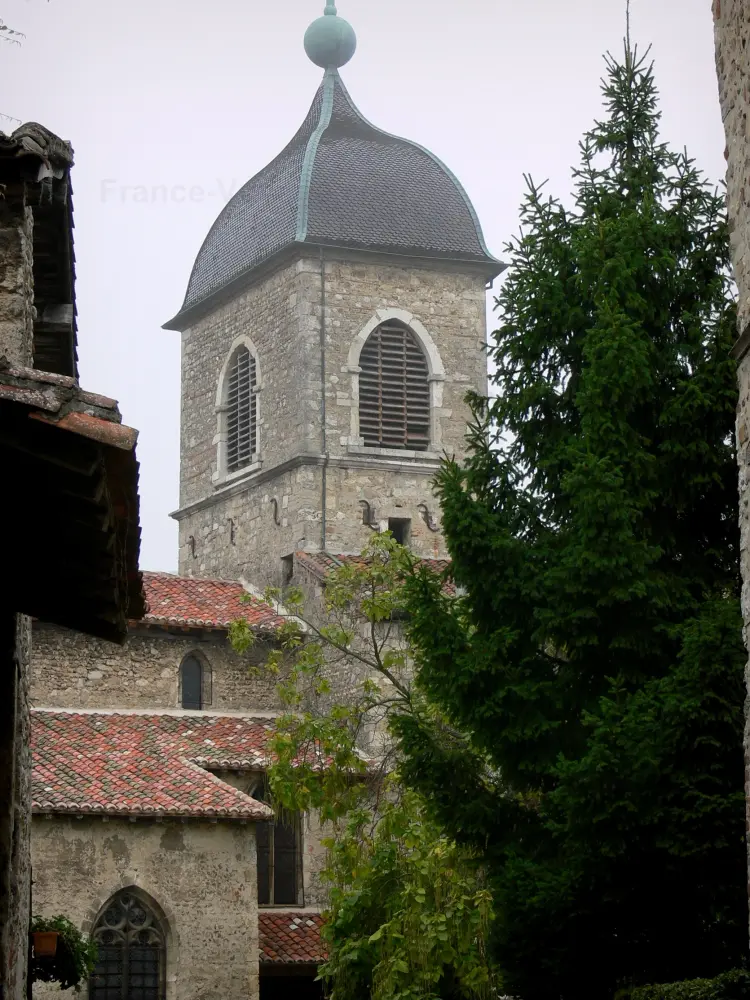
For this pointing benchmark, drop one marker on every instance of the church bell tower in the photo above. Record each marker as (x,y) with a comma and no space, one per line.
(333,323)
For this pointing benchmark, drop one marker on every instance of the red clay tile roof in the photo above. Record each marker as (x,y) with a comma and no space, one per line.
(291,937)
(145,765)
(186,601)
(320,564)
(62,402)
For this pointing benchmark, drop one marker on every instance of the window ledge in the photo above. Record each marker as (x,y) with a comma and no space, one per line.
(429,456)
(235,477)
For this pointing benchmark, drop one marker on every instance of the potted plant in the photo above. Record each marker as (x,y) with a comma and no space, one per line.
(61,954)
(45,943)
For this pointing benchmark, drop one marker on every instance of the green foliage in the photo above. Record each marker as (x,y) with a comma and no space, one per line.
(408,914)
(409,910)
(733,985)
(591,675)
(74,960)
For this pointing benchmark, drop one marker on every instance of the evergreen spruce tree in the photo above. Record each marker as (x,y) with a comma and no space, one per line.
(588,684)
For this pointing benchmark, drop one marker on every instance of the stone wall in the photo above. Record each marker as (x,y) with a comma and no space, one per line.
(275,318)
(70,670)
(732,35)
(242,527)
(16,278)
(200,875)
(16,340)
(15,800)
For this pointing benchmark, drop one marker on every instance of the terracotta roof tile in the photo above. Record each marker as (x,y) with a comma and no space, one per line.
(149,765)
(320,564)
(291,937)
(187,601)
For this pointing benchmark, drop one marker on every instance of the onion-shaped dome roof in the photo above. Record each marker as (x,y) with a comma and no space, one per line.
(341,182)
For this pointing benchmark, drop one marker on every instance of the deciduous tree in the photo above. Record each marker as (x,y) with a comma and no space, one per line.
(409,910)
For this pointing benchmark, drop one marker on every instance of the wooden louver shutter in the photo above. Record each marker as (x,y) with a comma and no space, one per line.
(241,410)
(394,390)
(192,676)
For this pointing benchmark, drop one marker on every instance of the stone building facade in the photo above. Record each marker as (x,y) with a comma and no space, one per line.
(69,482)
(333,324)
(149,763)
(74,671)
(247,527)
(304,292)
(732,36)
(198,877)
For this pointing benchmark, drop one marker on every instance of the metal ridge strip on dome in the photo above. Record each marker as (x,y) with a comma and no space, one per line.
(326,110)
(433,157)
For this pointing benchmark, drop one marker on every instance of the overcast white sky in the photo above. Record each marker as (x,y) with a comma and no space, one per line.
(195,98)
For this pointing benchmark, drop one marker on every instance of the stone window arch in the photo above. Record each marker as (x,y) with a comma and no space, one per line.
(131,942)
(397,385)
(237,408)
(195,682)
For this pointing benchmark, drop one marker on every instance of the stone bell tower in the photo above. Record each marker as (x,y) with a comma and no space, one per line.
(333,323)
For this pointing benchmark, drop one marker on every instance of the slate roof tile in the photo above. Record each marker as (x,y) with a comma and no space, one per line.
(340,182)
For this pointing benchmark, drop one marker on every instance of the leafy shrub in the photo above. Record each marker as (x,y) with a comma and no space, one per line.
(74,960)
(733,985)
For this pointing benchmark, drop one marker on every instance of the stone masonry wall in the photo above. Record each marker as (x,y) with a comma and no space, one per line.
(449,305)
(732,35)
(277,318)
(201,876)
(243,528)
(16,278)
(15,798)
(70,670)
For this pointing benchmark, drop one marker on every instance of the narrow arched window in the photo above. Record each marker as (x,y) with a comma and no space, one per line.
(241,410)
(191,682)
(394,390)
(131,951)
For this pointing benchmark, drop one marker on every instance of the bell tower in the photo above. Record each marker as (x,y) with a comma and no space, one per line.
(333,322)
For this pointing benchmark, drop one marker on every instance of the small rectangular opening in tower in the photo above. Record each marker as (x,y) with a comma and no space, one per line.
(400,528)
(287,570)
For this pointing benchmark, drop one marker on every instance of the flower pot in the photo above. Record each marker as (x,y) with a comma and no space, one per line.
(45,943)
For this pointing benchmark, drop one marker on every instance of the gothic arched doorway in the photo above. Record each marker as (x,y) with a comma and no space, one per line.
(131,951)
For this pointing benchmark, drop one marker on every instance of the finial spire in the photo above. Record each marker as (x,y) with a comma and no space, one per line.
(330,40)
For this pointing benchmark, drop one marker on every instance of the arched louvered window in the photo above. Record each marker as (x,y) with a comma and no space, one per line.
(394,390)
(131,952)
(191,682)
(241,410)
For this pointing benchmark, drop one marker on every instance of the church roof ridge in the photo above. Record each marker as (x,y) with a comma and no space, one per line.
(261,717)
